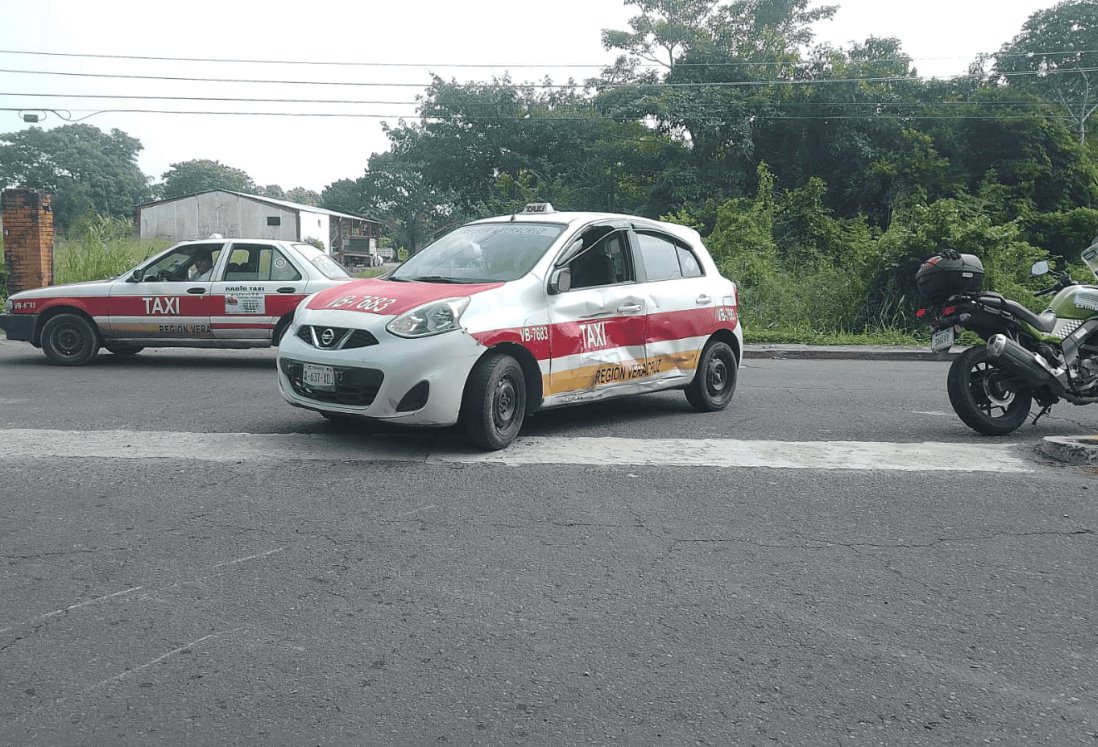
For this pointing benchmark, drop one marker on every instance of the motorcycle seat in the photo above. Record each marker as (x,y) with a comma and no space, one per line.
(1043,322)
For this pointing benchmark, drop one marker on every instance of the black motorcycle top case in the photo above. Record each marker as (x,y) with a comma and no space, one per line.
(940,277)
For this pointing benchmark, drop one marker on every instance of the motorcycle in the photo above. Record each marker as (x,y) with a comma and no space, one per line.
(1028,357)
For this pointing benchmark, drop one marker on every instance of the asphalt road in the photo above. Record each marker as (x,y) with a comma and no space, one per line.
(207,599)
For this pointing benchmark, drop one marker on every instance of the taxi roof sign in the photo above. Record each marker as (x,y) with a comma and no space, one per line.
(538,207)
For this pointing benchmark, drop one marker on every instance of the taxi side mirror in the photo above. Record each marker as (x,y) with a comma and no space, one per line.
(560,281)
(135,276)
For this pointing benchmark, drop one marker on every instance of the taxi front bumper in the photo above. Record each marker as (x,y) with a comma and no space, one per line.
(18,327)
(411,381)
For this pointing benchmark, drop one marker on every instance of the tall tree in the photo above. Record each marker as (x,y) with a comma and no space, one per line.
(86,170)
(303,196)
(1030,153)
(667,31)
(199,175)
(273,191)
(662,32)
(394,191)
(1056,56)
(726,65)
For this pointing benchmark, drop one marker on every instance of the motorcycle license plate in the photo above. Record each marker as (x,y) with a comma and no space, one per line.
(318,377)
(942,340)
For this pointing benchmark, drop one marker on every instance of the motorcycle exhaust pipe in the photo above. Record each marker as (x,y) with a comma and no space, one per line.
(1020,362)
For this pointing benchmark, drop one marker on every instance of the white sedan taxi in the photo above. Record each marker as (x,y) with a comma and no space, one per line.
(519,313)
(213,293)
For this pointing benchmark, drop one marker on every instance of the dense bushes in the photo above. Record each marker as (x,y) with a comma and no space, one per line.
(806,275)
(99,247)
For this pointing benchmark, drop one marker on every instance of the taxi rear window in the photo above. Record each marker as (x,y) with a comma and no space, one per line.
(321,261)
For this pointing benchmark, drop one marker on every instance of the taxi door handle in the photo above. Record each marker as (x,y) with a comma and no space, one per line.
(630,308)
(287,289)
(196,291)
(704,299)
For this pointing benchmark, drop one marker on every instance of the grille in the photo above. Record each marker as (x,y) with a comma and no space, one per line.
(342,338)
(355,387)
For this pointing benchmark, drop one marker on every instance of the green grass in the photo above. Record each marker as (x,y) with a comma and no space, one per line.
(805,336)
(371,272)
(87,258)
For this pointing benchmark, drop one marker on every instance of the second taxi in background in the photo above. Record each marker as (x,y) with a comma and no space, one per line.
(509,315)
(215,293)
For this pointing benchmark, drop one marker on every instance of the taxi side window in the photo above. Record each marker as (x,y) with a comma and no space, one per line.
(691,268)
(278,267)
(605,263)
(180,264)
(666,259)
(259,262)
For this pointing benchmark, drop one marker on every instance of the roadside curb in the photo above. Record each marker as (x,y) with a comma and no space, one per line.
(1077,450)
(845,352)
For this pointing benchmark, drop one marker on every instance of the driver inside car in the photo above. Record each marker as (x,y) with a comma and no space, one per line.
(203,267)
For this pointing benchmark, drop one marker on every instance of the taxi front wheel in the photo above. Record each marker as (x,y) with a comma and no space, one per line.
(70,340)
(494,404)
(715,380)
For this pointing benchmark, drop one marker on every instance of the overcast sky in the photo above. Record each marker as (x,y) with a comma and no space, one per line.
(414,38)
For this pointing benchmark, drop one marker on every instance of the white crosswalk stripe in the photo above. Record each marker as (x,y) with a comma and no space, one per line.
(241,447)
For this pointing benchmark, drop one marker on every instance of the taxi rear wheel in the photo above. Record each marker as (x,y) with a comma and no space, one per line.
(715,380)
(70,340)
(494,405)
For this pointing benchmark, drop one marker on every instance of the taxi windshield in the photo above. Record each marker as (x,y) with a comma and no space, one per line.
(481,253)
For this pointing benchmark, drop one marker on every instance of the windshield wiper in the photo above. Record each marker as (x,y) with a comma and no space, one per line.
(432,279)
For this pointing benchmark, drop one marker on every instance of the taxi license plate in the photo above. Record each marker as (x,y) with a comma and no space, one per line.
(318,377)
(942,340)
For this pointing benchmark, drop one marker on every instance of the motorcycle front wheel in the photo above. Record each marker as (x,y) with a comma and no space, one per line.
(988,398)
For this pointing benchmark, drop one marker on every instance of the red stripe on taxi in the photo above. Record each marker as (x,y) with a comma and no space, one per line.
(566,338)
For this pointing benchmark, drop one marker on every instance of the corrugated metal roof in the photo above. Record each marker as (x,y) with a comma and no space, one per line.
(269,200)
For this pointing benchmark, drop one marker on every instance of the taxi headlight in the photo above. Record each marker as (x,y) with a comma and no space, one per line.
(8,305)
(430,319)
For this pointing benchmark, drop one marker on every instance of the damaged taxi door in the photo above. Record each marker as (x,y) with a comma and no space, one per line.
(597,317)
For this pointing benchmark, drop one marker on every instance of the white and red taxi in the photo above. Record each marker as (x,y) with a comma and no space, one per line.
(509,315)
(216,293)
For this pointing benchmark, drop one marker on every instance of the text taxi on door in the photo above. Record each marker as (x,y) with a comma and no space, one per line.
(509,315)
(218,293)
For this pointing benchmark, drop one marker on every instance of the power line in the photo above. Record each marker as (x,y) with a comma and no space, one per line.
(529,120)
(233,99)
(324,63)
(203,98)
(353,63)
(714,84)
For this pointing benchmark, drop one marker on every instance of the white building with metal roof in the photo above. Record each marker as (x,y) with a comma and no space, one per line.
(236,214)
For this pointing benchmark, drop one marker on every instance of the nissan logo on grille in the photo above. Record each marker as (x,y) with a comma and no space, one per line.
(327,337)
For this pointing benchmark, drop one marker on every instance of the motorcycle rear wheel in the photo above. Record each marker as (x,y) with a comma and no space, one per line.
(988,398)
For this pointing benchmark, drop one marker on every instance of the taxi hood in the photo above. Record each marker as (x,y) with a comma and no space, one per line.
(85,288)
(389,297)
